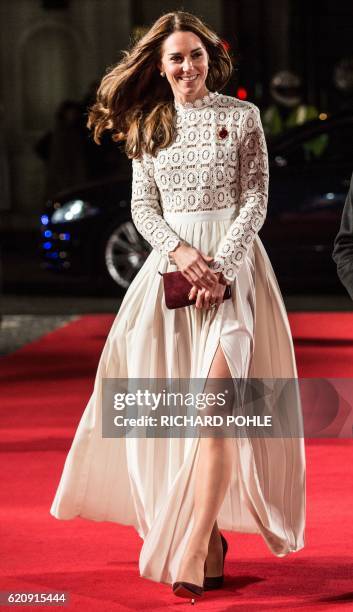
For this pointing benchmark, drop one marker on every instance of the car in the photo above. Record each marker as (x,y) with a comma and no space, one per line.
(310,170)
(88,230)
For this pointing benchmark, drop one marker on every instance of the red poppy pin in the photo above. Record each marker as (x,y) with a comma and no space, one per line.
(223,132)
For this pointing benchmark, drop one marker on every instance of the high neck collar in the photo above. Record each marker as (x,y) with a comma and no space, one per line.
(206,100)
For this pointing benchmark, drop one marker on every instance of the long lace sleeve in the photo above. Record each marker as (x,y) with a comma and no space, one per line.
(146,211)
(253,180)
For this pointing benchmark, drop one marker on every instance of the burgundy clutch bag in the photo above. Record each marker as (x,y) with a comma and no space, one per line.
(177,289)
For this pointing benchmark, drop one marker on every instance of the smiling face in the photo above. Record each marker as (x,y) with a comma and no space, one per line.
(184,61)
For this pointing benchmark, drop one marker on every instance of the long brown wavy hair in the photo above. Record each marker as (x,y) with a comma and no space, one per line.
(135,103)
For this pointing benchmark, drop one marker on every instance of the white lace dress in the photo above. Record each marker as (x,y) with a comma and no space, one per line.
(209,188)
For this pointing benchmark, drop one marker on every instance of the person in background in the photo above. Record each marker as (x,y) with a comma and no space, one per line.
(63,149)
(109,159)
(288,110)
(343,245)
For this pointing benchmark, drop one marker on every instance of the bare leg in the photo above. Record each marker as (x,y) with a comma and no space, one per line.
(215,553)
(212,480)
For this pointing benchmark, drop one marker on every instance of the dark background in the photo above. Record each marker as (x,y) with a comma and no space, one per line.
(55,50)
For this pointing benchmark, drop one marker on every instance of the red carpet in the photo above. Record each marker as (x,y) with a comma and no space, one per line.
(45,387)
(323,343)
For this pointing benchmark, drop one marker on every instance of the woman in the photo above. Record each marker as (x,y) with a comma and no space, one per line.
(199,196)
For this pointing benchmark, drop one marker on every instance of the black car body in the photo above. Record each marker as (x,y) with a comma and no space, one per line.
(308,185)
(306,199)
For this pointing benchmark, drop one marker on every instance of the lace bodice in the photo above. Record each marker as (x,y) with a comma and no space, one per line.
(217,160)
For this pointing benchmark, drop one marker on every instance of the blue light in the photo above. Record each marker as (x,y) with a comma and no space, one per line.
(44,219)
(47,245)
(65,236)
(53,255)
(48,233)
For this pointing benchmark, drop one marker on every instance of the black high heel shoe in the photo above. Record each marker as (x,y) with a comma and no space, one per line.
(216,582)
(188,589)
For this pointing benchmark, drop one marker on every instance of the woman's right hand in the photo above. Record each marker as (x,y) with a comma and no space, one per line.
(194,266)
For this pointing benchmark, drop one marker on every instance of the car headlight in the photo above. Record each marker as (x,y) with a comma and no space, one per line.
(72,211)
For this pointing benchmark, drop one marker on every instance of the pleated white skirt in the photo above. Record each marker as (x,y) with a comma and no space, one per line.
(149,483)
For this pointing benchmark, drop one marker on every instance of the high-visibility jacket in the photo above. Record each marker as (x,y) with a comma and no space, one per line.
(274,124)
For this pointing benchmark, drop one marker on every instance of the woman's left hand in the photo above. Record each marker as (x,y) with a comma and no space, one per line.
(209,299)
